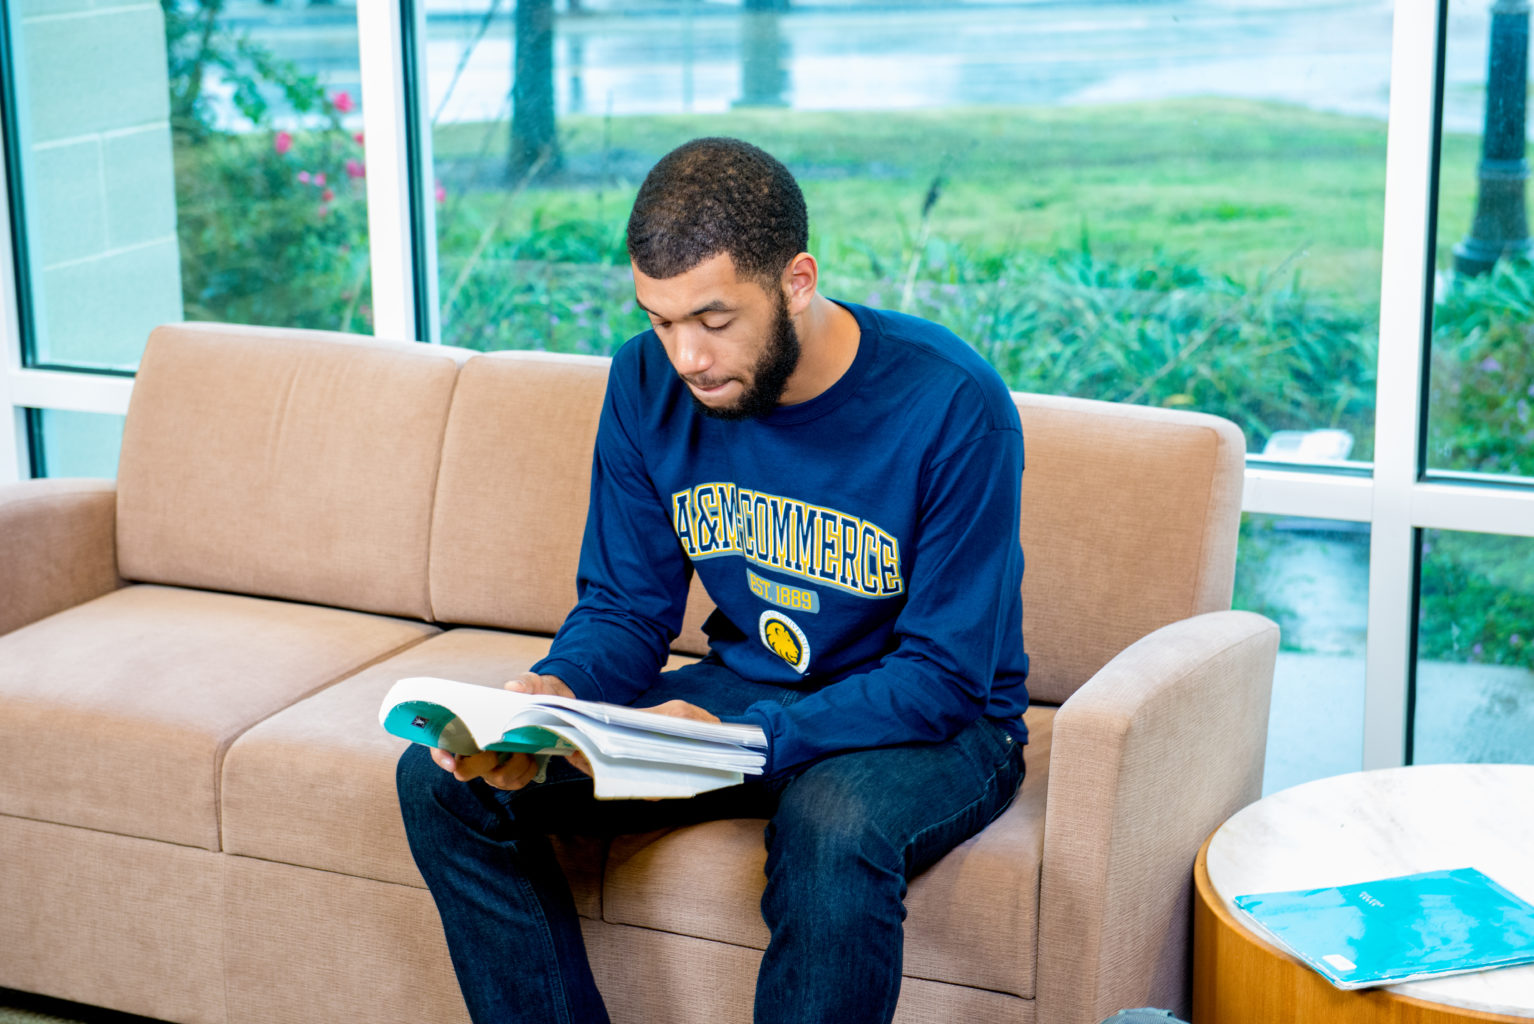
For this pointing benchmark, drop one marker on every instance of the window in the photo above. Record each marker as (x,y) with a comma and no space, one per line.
(1475,649)
(75,443)
(1473,698)
(1481,400)
(1157,203)
(1311,576)
(189,159)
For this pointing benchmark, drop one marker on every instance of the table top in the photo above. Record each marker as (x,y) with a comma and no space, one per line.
(1395,821)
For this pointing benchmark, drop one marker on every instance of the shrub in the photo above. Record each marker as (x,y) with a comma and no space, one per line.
(272,223)
(1477,599)
(1482,374)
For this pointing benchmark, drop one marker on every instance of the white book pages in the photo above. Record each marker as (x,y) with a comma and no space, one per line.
(632,752)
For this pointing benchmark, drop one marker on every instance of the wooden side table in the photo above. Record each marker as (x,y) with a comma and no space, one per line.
(1352,828)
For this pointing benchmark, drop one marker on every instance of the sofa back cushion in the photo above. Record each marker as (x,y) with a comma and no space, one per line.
(284,463)
(1129,522)
(512,495)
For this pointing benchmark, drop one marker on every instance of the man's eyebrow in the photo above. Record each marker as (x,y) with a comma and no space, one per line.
(717,306)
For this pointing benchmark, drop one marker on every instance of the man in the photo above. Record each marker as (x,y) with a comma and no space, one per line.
(846,483)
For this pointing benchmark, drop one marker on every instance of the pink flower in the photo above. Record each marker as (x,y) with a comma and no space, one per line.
(355,169)
(319,179)
(358,138)
(303,176)
(327,195)
(342,101)
(441,193)
(282,143)
(324,211)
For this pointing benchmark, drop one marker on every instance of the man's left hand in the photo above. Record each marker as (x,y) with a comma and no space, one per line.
(682,709)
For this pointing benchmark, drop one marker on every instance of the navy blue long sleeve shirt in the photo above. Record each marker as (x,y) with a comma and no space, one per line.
(862,545)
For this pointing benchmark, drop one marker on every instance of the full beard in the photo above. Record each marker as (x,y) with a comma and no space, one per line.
(769,377)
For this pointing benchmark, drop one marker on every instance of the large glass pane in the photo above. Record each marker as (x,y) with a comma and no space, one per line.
(75,443)
(1482,366)
(1311,576)
(1475,649)
(1157,201)
(193,159)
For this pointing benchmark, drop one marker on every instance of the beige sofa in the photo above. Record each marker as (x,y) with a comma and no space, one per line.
(197,811)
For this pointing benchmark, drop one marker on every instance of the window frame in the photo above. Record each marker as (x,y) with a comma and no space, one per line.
(1395,494)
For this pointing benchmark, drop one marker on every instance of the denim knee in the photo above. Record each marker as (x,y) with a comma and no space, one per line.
(825,851)
(416,775)
(426,792)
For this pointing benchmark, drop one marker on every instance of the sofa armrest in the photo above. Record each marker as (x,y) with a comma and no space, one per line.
(1157,749)
(58,547)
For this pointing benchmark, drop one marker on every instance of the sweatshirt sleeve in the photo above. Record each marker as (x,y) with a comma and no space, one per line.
(632,577)
(963,602)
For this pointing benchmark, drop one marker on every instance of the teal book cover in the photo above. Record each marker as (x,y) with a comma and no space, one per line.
(1395,930)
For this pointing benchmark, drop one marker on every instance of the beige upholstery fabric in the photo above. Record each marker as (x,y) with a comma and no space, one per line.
(306,945)
(151,684)
(666,978)
(1149,757)
(351,825)
(699,607)
(315,947)
(273,810)
(706,881)
(57,547)
(511,502)
(259,462)
(109,920)
(1129,522)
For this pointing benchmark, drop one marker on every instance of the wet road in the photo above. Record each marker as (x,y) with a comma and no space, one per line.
(691,56)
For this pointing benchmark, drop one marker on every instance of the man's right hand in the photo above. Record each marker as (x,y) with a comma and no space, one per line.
(518,769)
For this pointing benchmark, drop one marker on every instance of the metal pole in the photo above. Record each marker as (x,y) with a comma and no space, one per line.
(1501,224)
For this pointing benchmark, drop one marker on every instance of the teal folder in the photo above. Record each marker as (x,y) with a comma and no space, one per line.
(1395,930)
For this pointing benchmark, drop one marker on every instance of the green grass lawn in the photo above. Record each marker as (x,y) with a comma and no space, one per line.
(1212,253)
(1240,188)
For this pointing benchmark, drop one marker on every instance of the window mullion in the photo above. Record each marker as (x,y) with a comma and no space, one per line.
(381,45)
(1411,155)
(14,463)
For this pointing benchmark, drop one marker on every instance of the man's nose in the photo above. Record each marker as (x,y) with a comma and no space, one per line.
(694,354)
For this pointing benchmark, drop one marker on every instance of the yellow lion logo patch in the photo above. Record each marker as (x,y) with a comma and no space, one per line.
(783,637)
(782,642)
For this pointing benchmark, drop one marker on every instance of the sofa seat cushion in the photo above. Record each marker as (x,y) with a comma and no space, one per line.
(972,917)
(115,714)
(314,785)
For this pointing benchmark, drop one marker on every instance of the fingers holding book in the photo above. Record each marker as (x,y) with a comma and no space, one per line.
(532,682)
(682,709)
(511,771)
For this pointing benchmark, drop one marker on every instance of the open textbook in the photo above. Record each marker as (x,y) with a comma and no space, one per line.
(633,753)
(1394,930)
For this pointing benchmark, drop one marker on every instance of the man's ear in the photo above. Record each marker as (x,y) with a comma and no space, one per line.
(800,279)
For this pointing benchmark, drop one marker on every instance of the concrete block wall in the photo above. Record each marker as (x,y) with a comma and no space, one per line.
(97,177)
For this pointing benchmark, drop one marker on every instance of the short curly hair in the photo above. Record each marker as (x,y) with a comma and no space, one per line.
(716,195)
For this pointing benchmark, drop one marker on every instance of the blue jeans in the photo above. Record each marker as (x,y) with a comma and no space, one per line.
(844,835)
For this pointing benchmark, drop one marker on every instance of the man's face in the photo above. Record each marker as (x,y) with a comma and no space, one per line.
(729,339)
